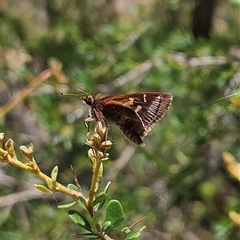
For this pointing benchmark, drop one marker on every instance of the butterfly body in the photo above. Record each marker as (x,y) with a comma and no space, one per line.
(135,114)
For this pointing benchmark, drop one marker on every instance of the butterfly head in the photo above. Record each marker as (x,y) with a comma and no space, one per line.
(88,99)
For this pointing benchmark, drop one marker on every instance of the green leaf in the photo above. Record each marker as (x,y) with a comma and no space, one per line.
(86,236)
(67,205)
(54,173)
(106,226)
(82,204)
(49,183)
(100,173)
(107,187)
(42,188)
(97,218)
(114,212)
(134,235)
(101,198)
(72,187)
(80,219)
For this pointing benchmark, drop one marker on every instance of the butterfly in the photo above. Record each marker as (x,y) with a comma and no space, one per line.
(135,113)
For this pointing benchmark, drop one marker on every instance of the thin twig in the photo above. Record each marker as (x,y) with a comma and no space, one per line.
(26,195)
(25,92)
(9,156)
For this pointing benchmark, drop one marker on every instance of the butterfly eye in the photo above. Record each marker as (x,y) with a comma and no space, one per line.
(88,99)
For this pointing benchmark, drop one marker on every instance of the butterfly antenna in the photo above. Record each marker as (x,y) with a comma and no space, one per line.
(69,94)
(81,90)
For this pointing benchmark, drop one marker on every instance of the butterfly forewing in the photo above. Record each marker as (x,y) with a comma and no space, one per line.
(149,106)
(152,110)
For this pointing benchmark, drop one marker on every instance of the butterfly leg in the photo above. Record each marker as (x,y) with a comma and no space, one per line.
(87,121)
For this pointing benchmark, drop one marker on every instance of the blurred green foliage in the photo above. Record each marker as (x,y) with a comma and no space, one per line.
(178,180)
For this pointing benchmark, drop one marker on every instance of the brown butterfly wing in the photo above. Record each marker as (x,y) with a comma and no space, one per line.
(152,110)
(135,114)
(126,119)
(149,106)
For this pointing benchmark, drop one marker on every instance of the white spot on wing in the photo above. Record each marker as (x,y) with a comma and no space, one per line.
(144,98)
(154,105)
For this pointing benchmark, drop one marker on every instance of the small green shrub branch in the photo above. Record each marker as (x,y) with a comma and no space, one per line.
(97,153)
(8,155)
(96,223)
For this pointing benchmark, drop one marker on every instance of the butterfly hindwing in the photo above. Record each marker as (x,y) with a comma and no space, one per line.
(126,119)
